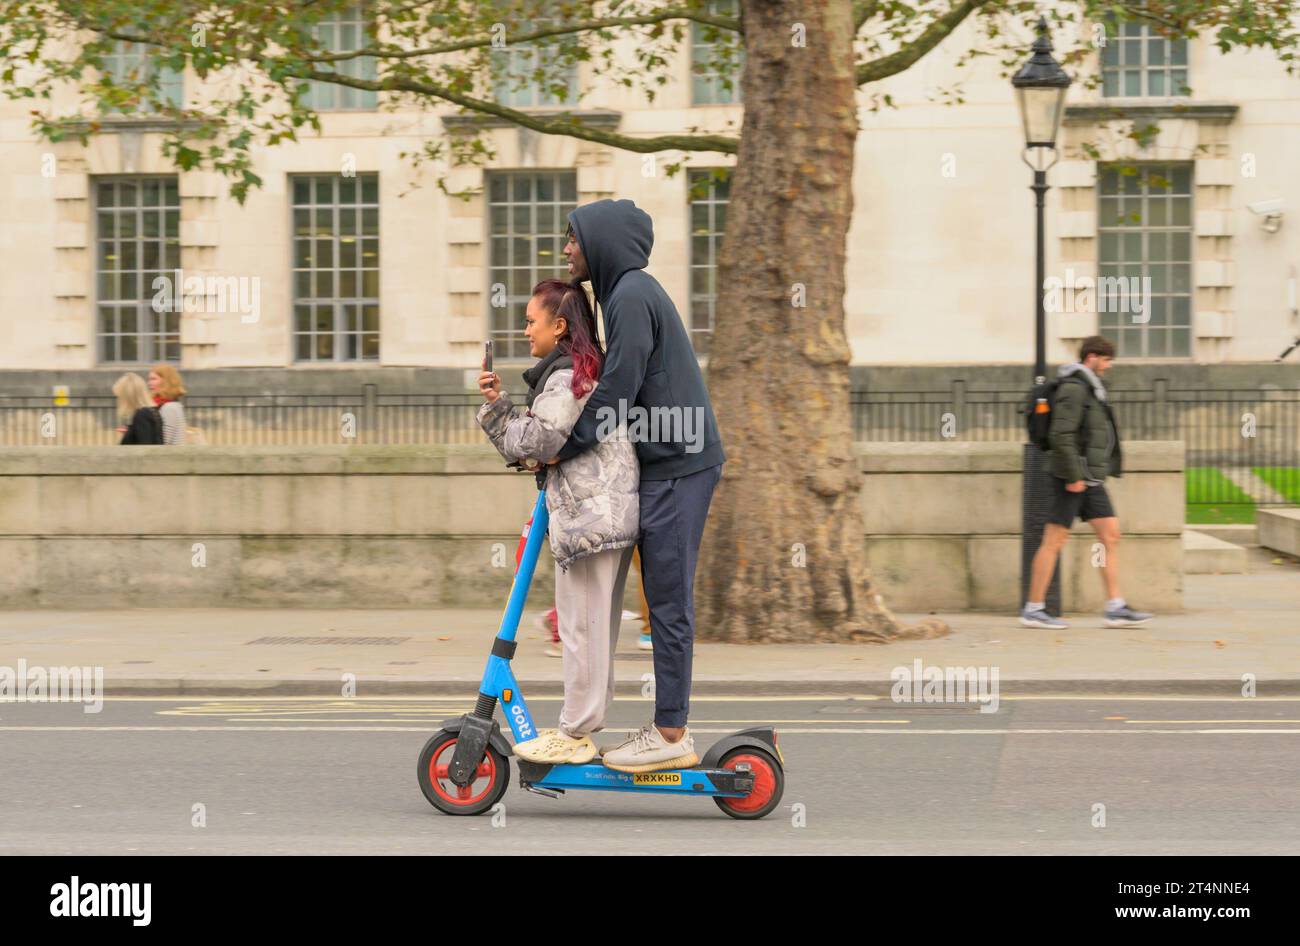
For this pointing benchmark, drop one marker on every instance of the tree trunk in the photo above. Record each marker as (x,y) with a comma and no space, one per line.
(783,557)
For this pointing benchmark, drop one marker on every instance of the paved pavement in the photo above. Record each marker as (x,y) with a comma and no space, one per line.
(1233,625)
(270,775)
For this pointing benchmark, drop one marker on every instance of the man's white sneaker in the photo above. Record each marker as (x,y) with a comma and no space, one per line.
(1037,617)
(1125,617)
(649,751)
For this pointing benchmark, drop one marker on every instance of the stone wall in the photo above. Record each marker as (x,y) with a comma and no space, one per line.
(944,527)
(431,526)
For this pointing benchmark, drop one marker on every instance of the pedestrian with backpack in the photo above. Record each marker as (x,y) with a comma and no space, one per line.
(168,389)
(135,408)
(1074,417)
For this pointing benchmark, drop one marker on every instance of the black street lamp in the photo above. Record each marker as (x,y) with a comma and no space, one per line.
(1040,87)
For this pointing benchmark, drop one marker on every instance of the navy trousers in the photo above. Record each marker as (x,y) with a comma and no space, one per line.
(672,523)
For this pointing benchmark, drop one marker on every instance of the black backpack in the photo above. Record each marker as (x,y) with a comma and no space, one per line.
(146,427)
(1038,413)
(153,428)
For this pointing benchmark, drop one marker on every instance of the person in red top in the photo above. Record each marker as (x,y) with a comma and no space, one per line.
(168,389)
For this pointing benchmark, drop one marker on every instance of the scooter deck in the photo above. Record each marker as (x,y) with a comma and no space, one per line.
(593,776)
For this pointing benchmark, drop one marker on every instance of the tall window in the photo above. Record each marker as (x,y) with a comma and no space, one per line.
(528,215)
(129,63)
(1145,232)
(343,32)
(708,195)
(710,48)
(137,240)
(1138,62)
(336,267)
(531,74)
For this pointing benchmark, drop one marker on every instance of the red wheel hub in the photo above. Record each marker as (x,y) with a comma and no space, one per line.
(440,777)
(764,783)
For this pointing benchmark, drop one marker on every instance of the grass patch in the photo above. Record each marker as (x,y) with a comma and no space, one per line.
(1284,479)
(1213,499)
(1221,514)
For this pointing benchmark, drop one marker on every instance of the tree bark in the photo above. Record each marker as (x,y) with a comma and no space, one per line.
(783,557)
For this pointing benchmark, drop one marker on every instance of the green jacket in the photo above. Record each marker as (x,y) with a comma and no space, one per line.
(1083,435)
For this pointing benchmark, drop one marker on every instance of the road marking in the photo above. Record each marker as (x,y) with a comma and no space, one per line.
(1210,721)
(470,694)
(437,719)
(783,732)
(770,722)
(794,698)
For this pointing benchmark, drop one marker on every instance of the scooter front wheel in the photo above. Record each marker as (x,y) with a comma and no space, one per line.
(490,781)
(769,783)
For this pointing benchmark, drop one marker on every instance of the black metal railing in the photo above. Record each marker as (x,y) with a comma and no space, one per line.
(247,419)
(1243,446)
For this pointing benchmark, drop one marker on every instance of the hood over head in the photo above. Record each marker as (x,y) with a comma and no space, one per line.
(615,236)
(1098,388)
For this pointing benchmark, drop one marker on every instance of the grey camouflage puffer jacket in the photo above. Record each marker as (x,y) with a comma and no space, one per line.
(592,499)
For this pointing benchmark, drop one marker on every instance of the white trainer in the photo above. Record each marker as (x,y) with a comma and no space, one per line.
(649,751)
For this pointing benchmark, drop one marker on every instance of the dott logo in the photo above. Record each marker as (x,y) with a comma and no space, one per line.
(521,720)
(658,778)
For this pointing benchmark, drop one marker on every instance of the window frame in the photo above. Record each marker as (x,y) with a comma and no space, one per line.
(504,91)
(152,345)
(361,67)
(1144,67)
(346,328)
(509,343)
(127,56)
(1163,300)
(707,78)
(701,338)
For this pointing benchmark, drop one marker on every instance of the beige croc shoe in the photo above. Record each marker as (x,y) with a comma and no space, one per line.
(555,748)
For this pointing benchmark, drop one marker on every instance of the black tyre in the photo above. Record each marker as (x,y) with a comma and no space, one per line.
(489,784)
(769,784)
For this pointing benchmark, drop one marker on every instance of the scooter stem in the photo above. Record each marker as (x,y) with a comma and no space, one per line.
(524,574)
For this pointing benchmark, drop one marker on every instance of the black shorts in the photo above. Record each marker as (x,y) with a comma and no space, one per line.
(1092,503)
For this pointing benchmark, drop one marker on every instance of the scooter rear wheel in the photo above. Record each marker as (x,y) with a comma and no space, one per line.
(769,784)
(490,779)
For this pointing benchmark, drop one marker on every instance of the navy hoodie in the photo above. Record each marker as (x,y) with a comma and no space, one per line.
(649,363)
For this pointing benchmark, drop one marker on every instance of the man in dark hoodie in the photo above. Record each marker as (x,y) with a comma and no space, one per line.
(651,383)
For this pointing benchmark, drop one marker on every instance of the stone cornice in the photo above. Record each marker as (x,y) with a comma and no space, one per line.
(1118,110)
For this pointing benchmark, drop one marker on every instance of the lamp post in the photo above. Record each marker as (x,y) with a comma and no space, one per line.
(1040,87)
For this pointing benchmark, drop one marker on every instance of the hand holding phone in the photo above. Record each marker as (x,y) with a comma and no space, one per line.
(488,381)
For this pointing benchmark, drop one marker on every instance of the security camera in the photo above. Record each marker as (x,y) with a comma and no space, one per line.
(1271,211)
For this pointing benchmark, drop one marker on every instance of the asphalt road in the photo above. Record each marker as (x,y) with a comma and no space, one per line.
(1176,776)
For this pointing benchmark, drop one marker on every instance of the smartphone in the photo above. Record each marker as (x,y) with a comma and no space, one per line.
(487,355)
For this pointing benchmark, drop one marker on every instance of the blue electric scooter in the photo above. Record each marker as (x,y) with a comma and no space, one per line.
(464,768)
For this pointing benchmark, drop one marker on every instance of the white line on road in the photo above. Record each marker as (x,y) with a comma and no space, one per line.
(783,732)
(798,698)
(747,722)
(1206,722)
